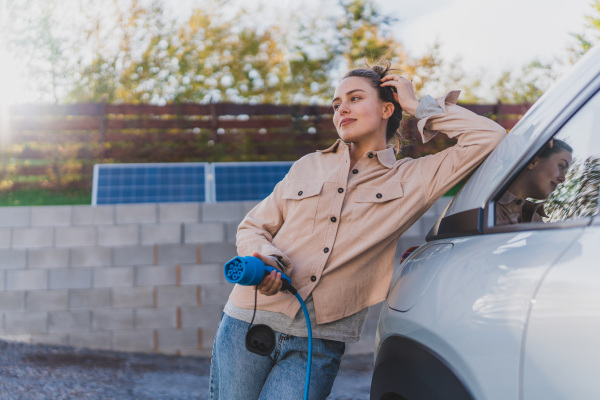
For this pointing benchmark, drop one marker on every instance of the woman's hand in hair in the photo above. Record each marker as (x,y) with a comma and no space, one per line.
(404,92)
(271,284)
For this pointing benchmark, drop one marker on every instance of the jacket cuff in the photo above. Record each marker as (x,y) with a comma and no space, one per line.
(449,99)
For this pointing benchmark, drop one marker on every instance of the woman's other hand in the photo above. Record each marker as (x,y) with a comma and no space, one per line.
(271,284)
(404,92)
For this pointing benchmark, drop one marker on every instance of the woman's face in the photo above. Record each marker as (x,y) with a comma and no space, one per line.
(359,113)
(545,174)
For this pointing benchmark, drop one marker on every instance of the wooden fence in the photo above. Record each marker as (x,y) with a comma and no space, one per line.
(56,146)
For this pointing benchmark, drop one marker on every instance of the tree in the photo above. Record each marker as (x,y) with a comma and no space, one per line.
(590,34)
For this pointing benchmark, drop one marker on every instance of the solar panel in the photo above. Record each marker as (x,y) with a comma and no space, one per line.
(150,183)
(242,181)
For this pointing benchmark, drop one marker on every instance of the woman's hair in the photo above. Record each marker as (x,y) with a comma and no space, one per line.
(554,146)
(386,93)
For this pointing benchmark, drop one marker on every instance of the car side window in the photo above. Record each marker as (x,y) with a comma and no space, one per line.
(561,182)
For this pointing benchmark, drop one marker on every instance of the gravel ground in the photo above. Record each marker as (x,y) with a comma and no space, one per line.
(31,372)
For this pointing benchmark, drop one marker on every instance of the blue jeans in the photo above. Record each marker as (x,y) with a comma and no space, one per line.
(236,373)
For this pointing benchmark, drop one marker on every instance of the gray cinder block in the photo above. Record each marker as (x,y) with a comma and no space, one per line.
(47,258)
(247,206)
(70,278)
(51,216)
(58,338)
(175,296)
(206,232)
(150,275)
(121,235)
(220,212)
(205,316)
(178,212)
(171,254)
(202,274)
(47,300)
(113,277)
(13,259)
(91,257)
(76,236)
(136,213)
(231,231)
(15,216)
(111,319)
(5,238)
(132,297)
(156,317)
(216,294)
(90,215)
(32,237)
(69,321)
(161,233)
(12,301)
(170,339)
(25,322)
(34,279)
(218,253)
(93,340)
(133,255)
(89,298)
(133,340)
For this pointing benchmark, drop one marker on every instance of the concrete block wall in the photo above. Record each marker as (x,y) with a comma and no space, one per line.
(143,277)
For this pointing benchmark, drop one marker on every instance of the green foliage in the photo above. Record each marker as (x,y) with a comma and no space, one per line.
(590,34)
(44,197)
(134,51)
(525,85)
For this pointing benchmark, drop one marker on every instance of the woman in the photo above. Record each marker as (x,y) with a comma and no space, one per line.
(332,225)
(537,181)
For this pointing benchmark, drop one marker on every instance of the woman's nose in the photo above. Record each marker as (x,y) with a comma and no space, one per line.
(561,177)
(343,109)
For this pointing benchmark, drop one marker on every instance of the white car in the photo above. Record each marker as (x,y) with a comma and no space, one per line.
(494,310)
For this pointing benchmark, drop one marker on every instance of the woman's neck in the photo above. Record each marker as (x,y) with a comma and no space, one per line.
(357,150)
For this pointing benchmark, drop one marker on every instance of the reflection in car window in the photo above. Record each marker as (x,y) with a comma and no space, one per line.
(563,185)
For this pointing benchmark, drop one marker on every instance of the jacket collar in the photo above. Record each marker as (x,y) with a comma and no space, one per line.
(386,157)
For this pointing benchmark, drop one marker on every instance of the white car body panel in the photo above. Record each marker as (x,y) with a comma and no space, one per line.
(562,349)
(477,305)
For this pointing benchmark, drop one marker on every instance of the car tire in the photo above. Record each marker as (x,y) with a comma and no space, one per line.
(406,370)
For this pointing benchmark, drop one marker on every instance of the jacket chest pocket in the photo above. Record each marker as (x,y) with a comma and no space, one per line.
(376,210)
(301,200)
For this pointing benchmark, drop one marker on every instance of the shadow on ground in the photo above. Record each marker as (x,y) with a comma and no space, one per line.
(60,372)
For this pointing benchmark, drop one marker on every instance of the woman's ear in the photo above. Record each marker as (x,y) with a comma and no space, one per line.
(388,110)
(533,163)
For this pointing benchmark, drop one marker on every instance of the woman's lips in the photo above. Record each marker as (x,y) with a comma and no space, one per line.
(346,121)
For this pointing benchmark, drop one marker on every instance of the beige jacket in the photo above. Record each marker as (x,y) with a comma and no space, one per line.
(336,229)
(511,209)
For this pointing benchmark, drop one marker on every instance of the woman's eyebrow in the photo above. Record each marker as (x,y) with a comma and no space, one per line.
(348,93)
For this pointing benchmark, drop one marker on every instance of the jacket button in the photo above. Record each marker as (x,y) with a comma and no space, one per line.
(355,171)
(300,193)
(378,195)
(341,190)
(326,250)
(333,219)
(313,278)
(370,155)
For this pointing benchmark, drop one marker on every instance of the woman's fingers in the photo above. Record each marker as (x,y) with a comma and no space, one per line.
(404,93)
(271,284)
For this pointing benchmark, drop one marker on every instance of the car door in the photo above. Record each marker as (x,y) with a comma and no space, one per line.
(561,356)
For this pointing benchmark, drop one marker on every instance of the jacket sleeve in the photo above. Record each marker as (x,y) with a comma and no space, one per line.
(256,231)
(477,137)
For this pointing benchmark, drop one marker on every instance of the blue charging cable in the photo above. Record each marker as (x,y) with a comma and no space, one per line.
(250,271)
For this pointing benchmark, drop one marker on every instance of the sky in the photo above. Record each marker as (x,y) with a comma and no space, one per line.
(490,35)
(485,36)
